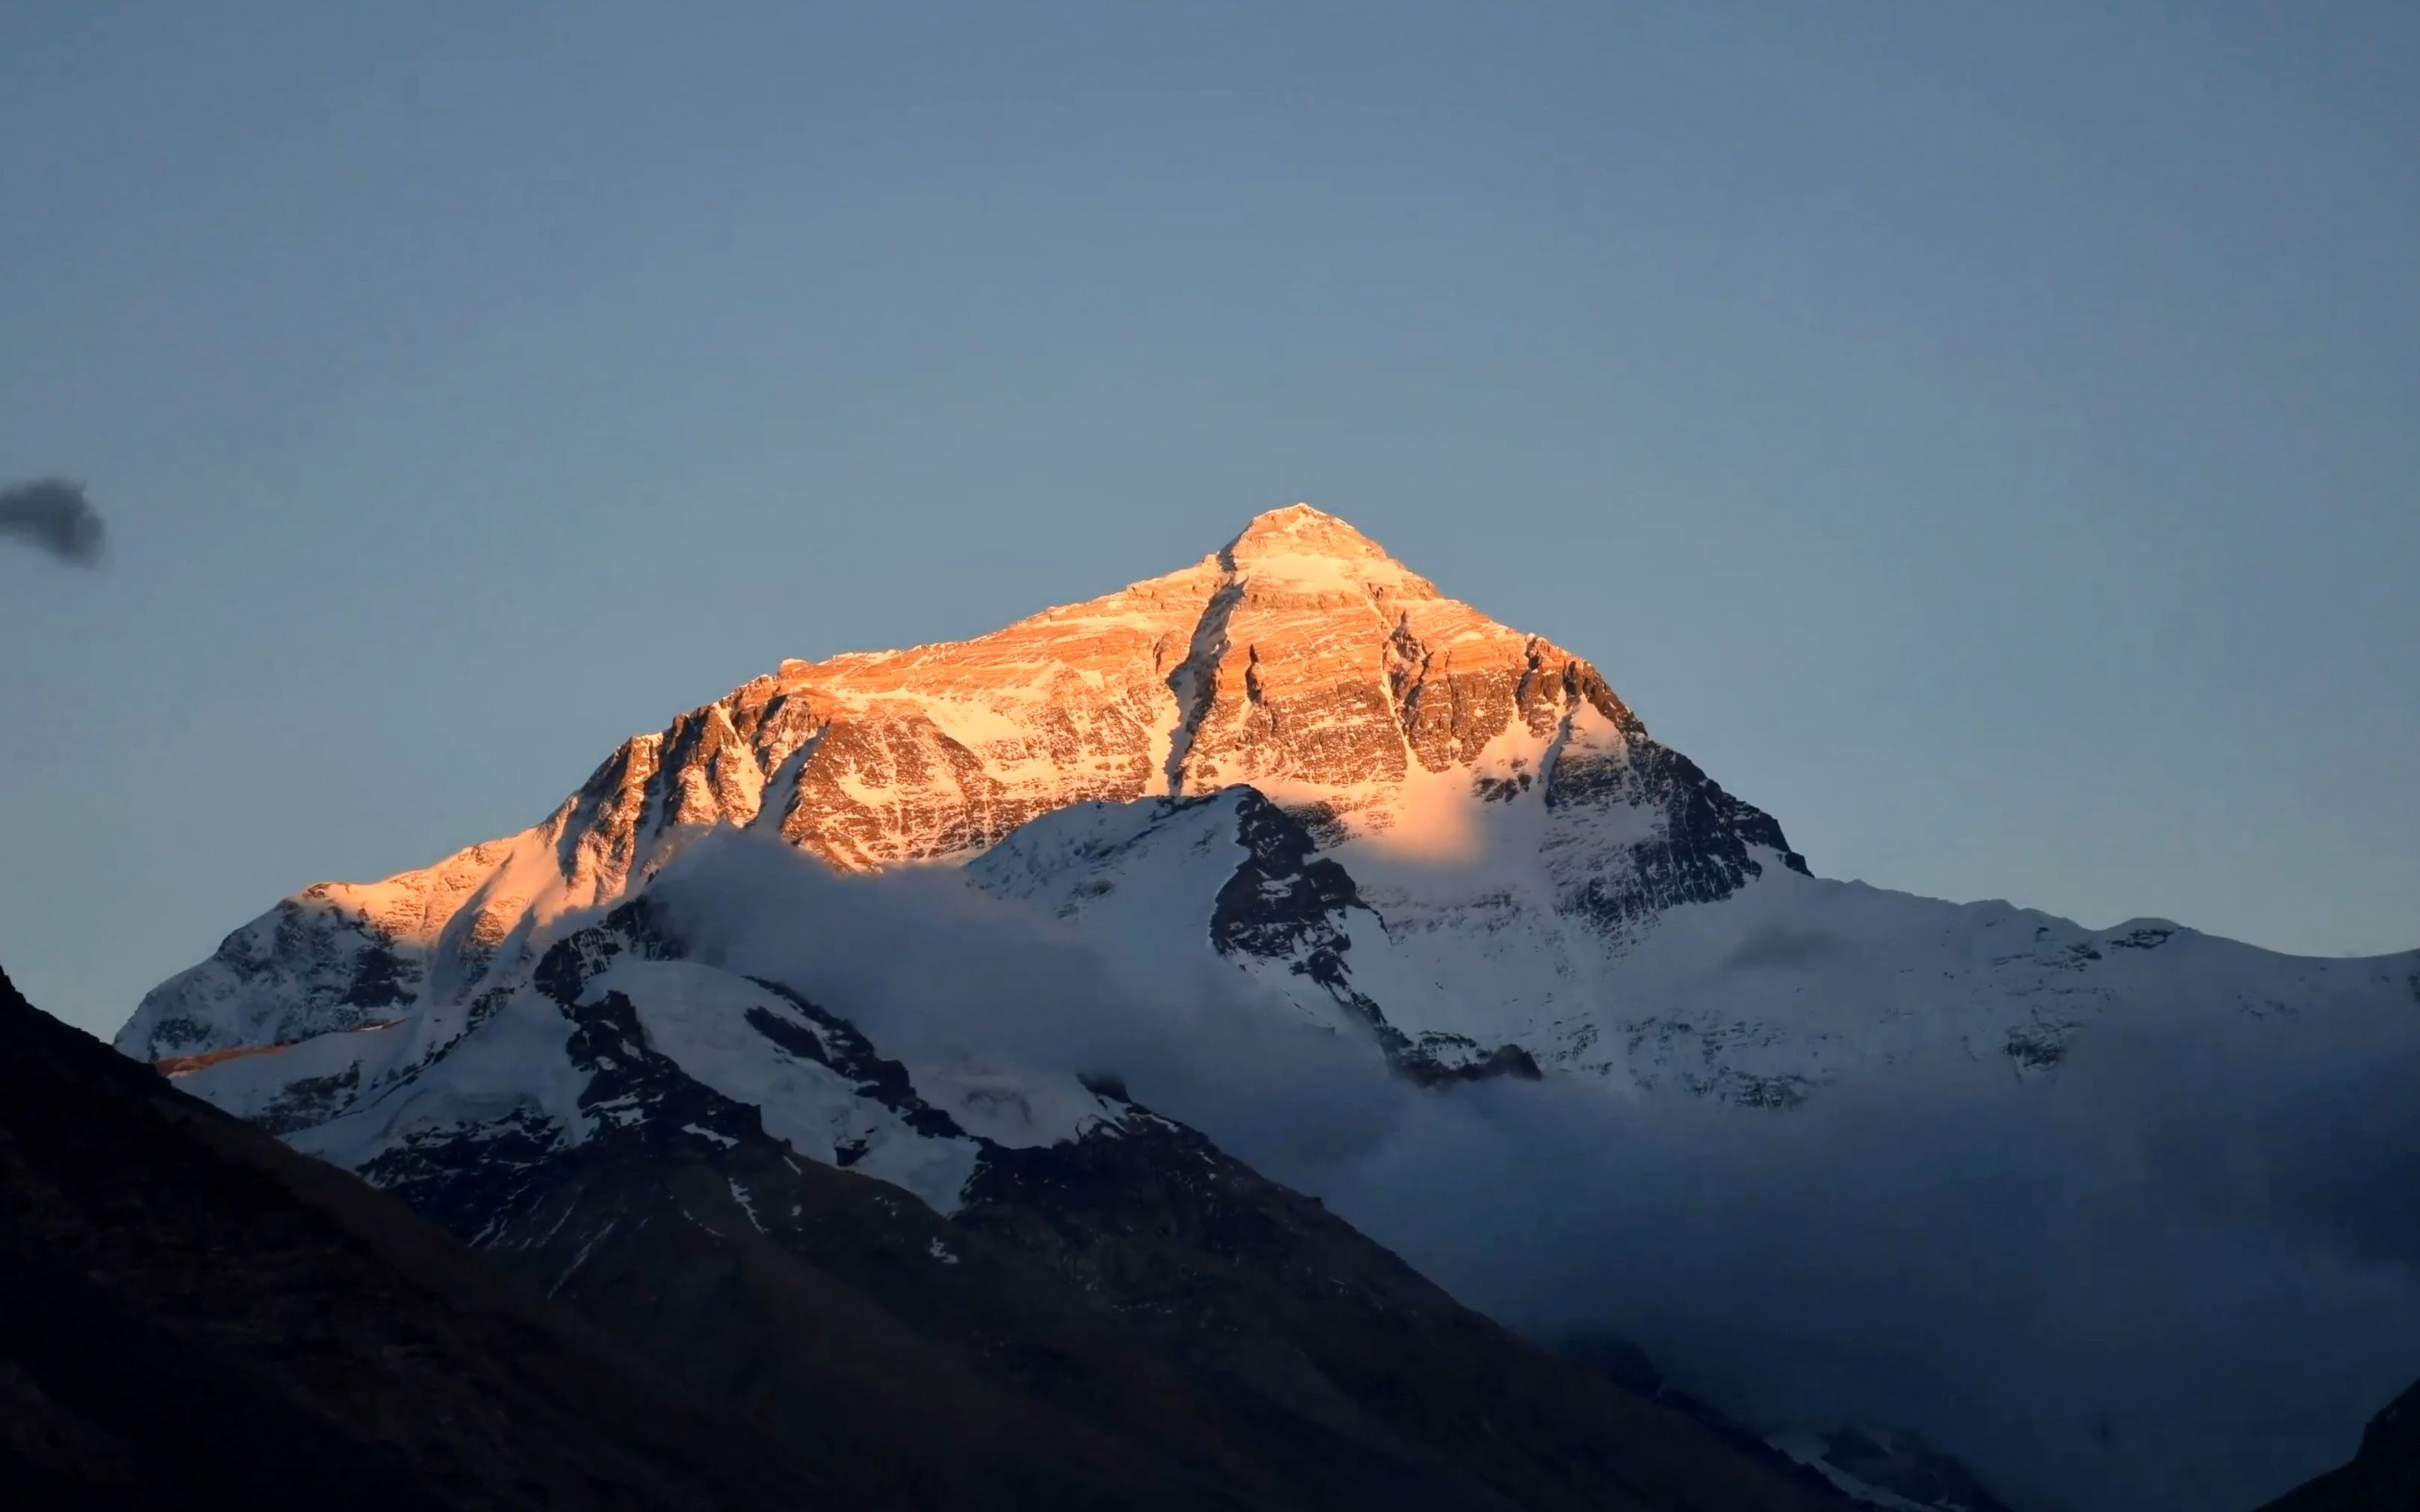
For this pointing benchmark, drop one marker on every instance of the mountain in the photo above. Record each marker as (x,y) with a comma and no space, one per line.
(1300,659)
(2385,1473)
(199,1317)
(1509,874)
(1292,777)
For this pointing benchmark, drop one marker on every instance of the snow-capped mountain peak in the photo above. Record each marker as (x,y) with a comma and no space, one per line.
(1458,839)
(1293,818)
(1299,658)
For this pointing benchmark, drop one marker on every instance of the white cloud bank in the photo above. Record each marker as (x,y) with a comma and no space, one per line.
(2177,1274)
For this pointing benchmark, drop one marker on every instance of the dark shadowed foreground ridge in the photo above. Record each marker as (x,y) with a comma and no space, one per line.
(2384,1475)
(196,1317)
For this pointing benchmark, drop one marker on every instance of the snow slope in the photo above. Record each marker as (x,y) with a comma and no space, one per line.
(614,1031)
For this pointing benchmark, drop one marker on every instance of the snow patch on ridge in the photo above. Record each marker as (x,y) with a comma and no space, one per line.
(350,1097)
(701,1019)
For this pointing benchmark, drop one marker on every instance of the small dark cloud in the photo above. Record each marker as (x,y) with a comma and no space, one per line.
(53,515)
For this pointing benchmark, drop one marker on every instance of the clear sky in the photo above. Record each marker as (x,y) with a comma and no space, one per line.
(1987,436)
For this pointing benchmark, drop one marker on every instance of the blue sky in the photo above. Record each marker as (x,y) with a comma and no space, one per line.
(1982,435)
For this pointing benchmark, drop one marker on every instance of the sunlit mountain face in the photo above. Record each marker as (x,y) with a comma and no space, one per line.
(1287,853)
(1487,793)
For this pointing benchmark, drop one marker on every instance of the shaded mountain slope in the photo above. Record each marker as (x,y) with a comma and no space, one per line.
(195,1315)
(201,1317)
(2384,1476)
(1118,1314)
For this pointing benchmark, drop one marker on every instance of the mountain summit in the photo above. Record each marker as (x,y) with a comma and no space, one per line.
(1300,530)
